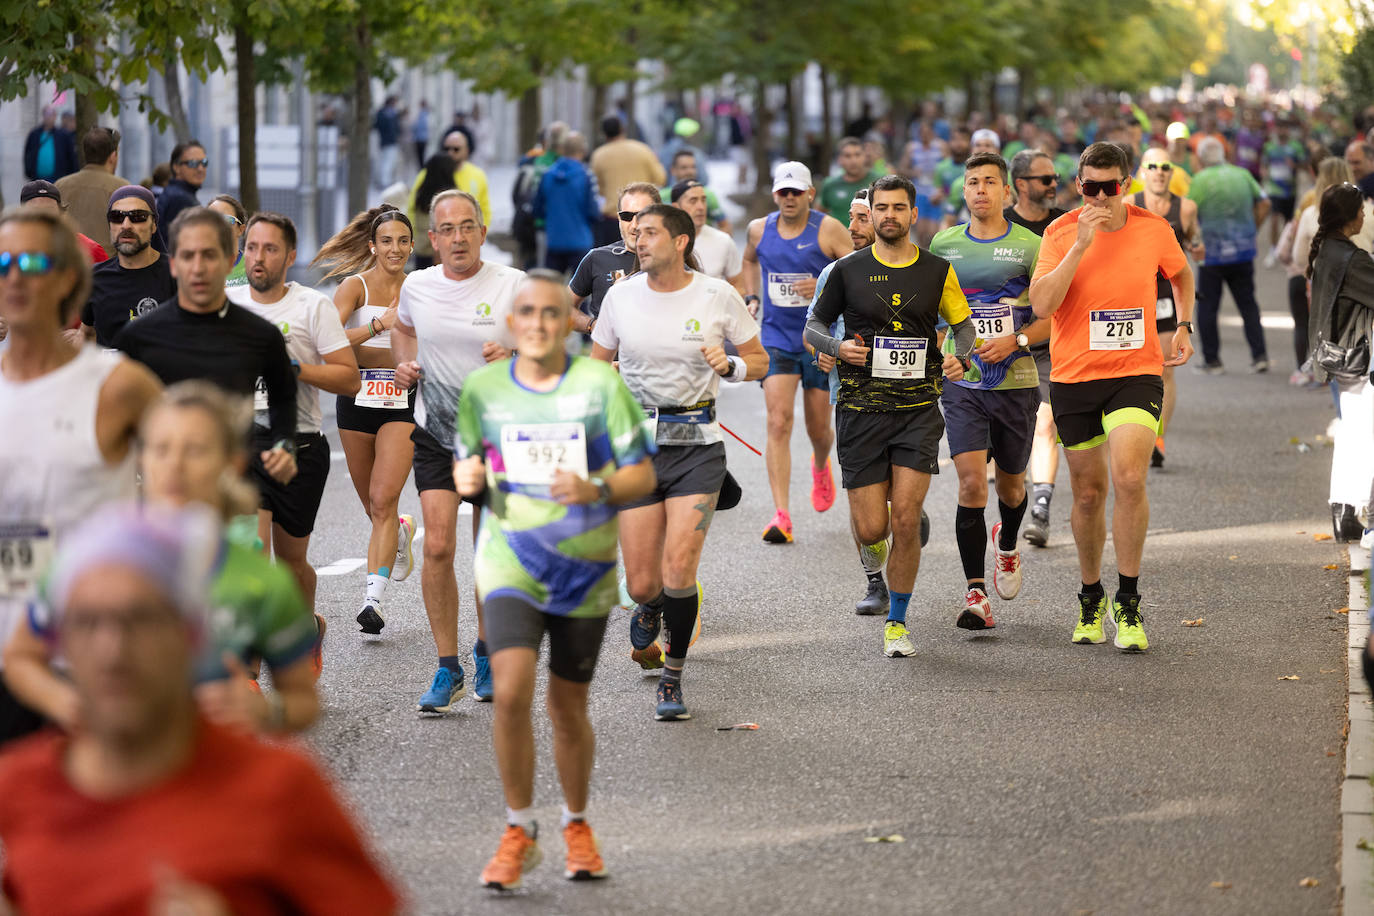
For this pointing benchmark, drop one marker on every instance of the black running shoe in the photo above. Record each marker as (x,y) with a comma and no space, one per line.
(370,621)
(876,601)
(1037,530)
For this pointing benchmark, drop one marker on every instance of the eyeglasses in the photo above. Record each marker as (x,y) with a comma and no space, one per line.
(1159,166)
(194,163)
(30,263)
(231,219)
(789,192)
(1094,188)
(117,217)
(627,216)
(1045,180)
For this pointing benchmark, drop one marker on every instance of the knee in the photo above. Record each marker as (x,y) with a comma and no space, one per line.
(567,712)
(1089,496)
(381,502)
(1130,483)
(642,588)
(779,425)
(870,531)
(906,520)
(513,702)
(439,548)
(973,491)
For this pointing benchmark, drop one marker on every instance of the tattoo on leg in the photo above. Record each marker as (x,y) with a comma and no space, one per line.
(707,508)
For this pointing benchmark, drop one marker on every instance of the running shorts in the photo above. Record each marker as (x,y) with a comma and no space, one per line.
(1085,412)
(574,642)
(871,442)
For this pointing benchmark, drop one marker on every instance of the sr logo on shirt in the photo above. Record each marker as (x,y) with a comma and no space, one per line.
(483,318)
(692,330)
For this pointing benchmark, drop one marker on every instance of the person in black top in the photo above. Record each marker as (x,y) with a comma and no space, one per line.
(602,267)
(1032,173)
(201,334)
(137,278)
(189,164)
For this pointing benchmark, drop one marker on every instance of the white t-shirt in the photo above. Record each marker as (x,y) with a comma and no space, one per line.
(452,319)
(719,255)
(310,325)
(660,336)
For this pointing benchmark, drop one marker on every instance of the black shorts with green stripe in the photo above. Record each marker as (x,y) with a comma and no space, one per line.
(1086,412)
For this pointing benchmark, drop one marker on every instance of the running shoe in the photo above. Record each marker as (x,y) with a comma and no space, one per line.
(822,486)
(317,654)
(370,620)
(925,527)
(1130,625)
(517,854)
(1006,568)
(876,601)
(481,678)
(645,626)
(779,530)
(1260,365)
(977,613)
(897,640)
(584,853)
(873,557)
(670,706)
(1037,530)
(1157,456)
(405,555)
(1091,610)
(447,687)
(1215,368)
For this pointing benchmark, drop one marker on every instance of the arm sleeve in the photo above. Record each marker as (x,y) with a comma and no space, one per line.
(604,332)
(280,380)
(964,338)
(826,306)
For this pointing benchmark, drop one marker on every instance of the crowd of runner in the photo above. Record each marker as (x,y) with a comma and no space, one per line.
(1020,294)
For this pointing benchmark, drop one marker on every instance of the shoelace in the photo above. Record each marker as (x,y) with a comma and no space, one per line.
(512,848)
(1006,562)
(1130,614)
(579,840)
(1088,610)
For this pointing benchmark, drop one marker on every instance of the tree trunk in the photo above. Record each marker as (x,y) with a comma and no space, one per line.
(530,117)
(763,129)
(246,77)
(176,106)
(360,128)
(599,93)
(790,111)
(827,121)
(86,116)
(631,96)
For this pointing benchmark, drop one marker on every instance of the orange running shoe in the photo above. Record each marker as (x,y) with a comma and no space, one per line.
(517,854)
(779,530)
(822,486)
(584,853)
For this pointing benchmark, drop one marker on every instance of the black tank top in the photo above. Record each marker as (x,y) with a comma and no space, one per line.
(1175,215)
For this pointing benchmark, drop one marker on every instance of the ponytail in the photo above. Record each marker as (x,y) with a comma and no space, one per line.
(1340,205)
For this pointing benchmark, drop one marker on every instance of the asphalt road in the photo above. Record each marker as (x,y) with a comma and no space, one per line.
(1024,773)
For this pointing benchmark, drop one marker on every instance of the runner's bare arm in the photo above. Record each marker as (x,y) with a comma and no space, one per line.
(753,275)
(834,239)
(337,375)
(405,347)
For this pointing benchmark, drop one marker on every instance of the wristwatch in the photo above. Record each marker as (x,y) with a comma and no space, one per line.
(751,298)
(296,366)
(1022,341)
(603,490)
(1186,324)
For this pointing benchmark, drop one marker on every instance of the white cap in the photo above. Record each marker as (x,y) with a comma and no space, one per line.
(792,175)
(983,134)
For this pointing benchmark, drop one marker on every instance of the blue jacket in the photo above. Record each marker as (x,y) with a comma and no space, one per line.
(64,153)
(567,203)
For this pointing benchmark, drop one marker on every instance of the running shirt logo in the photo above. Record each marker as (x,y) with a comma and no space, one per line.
(143,307)
(692,330)
(483,319)
(285,328)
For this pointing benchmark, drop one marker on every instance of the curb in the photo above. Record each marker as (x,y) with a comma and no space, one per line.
(1357,790)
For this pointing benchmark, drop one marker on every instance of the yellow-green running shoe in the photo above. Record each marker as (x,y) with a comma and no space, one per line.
(1130,625)
(1091,610)
(897,640)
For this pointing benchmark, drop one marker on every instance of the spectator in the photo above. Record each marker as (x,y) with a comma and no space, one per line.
(44,195)
(1359,155)
(466,176)
(618,162)
(157,182)
(152,798)
(87,192)
(387,124)
(569,206)
(460,124)
(188,165)
(538,160)
(684,168)
(434,179)
(49,150)
(419,132)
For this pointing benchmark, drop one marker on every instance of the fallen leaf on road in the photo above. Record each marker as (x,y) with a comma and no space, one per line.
(1290,677)
(1342,610)
(1234,556)
(1193,623)
(1331,753)
(1330,566)
(1327,670)
(1222,885)
(1321,537)
(1308,882)
(742,726)
(891,838)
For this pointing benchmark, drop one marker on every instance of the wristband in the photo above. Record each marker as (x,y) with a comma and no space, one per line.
(1186,324)
(751,298)
(603,490)
(373,324)
(296,367)
(738,369)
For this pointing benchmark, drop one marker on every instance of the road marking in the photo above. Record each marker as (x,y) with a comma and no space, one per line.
(341,567)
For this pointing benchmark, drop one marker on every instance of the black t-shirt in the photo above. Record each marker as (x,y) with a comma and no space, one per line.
(598,272)
(1037,226)
(119,295)
(231,347)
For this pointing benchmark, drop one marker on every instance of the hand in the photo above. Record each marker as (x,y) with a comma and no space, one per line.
(824,361)
(176,896)
(407,374)
(4,329)
(75,338)
(233,701)
(954,370)
(805,287)
(470,475)
(997,349)
(854,352)
(388,318)
(1199,252)
(279,464)
(1181,348)
(572,490)
(1090,219)
(492,351)
(753,307)
(717,359)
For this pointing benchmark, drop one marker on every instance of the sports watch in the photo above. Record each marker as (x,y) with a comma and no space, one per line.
(1022,341)
(1186,324)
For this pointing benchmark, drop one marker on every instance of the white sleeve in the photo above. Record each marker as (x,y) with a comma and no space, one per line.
(403,303)
(328,331)
(740,326)
(502,308)
(604,332)
(734,260)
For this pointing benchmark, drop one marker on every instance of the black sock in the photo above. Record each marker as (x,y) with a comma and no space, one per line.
(1130,585)
(1095,590)
(450,662)
(875,577)
(972,534)
(1011,523)
(1042,493)
(679,618)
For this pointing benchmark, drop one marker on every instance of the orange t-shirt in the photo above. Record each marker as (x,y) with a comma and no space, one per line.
(1115,277)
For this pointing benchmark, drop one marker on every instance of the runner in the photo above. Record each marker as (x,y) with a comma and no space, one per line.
(786,252)
(992,412)
(1181,214)
(1096,277)
(675,376)
(193,453)
(607,265)
(322,360)
(838,190)
(716,253)
(70,416)
(451,320)
(887,418)
(375,425)
(138,278)
(237,218)
(550,479)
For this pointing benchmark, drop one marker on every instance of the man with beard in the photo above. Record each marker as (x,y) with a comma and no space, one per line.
(137,278)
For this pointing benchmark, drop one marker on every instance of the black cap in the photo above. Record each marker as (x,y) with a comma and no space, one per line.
(40,188)
(682,187)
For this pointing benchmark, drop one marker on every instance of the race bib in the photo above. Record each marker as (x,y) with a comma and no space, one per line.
(782,290)
(533,452)
(260,395)
(899,357)
(1280,172)
(1116,329)
(992,319)
(1164,308)
(26,549)
(379,390)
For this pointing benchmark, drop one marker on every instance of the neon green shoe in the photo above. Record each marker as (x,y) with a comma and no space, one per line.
(1091,610)
(897,641)
(1130,625)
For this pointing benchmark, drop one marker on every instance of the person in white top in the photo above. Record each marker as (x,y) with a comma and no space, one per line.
(669,325)
(717,254)
(375,425)
(322,359)
(451,319)
(69,415)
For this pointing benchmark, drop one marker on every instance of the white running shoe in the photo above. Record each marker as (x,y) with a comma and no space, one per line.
(405,556)
(897,640)
(1006,568)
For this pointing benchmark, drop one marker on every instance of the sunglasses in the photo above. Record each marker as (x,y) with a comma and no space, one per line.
(30,263)
(789,192)
(1046,180)
(194,163)
(1094,188)
(231,219)
(627,216)
(453,149)
(117,217)
(1159,166)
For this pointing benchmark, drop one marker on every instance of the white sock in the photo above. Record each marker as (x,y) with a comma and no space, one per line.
(376,587)
(521,817)
(570,816)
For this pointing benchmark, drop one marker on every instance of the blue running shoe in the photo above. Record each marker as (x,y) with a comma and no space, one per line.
(670,706)
(481,678)
(645,626)
(447,687)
